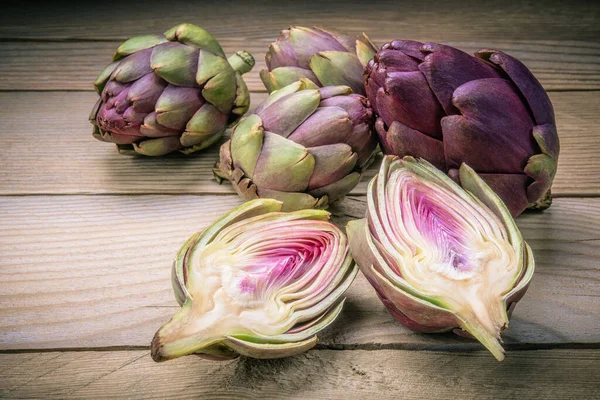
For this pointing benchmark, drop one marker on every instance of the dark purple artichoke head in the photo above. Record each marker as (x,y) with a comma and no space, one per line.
(171,92)
(304,146)
(326,58)
(448,107)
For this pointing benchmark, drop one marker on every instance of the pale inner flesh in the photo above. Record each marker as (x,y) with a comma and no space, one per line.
(256,279)
(451,250)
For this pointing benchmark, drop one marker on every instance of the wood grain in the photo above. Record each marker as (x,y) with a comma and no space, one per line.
(484,20)
(46,147)
(86,241)
(94,271)
(318,374)
(559,64)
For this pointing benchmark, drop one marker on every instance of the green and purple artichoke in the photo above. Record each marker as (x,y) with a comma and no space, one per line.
(441,257)
(171,92)
(305,146)
(258,282)
(448,107)
(326,58)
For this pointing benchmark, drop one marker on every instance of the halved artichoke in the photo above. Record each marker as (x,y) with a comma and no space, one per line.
(439,256)
(258,282)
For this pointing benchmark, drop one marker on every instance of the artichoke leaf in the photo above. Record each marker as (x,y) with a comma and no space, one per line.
(138,43)
(196,36)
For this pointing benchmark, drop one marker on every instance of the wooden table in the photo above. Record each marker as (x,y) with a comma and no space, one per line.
(87,235)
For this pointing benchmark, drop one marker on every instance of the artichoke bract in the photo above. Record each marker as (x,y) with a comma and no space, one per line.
(441,257)
(171,92)
(304,145)
(438,103)
(326,58)
(258,282)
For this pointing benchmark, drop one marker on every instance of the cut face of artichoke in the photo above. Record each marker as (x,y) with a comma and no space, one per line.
(439,256)
(258,282)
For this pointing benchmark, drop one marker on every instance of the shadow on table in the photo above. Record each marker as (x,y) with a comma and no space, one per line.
(172,173)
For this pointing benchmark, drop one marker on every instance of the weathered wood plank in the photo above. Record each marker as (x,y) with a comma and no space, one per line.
(94,271)
(317,374)
(487,19)
(75,65)
(559,65)
(46,147)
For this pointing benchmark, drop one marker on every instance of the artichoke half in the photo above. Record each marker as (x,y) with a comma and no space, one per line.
(305,146)
(171,92)
(439,256)
(326,58)
(438,103)
(258,282)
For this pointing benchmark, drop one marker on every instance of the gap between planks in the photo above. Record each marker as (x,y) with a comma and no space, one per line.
(485,20)
(82,285)
(469,347)
(79,164)
(559,65)
(325,374)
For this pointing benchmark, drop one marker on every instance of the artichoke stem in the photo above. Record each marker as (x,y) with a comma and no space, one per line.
(181,336)
(242,61)
(542,203)
(489,339)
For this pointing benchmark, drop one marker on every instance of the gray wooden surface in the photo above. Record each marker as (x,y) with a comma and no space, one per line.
(87,235)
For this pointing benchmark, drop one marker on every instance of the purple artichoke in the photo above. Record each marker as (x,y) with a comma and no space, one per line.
(171,92)
(304,146)
(257,282)
(441,257)
(448,107)
(326,58)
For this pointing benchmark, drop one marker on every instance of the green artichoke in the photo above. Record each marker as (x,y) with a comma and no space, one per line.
(305,146)
(258,282)
(171,92)
(326,58)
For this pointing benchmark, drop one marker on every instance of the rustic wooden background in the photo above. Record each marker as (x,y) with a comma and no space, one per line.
(87,235)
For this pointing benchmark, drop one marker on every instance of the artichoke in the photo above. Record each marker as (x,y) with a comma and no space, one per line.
(171,92)
(326,58)
(305,146)
(489,111)
(258,282)
(441,257)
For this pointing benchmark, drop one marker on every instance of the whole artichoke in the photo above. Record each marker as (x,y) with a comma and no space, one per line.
(441,257)
(439,103)
(257,282)
(168,93)
(326,58)
(305,146)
